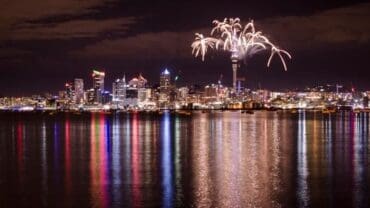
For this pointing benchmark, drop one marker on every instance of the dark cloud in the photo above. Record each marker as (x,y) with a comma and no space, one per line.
(12,52)
(70,29)
(142,46)
(335,26)
(52,41)
(18,12)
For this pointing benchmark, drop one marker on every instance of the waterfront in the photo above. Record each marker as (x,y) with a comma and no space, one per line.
(215,159)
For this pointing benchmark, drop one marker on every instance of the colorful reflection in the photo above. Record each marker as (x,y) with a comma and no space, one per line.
(216,159)
(135,161)
(127,161)
(44,162)
(359,159)
(98,161)
(178,160)
(20,150)
(147,139)
(116,159)
(67,154)
(56,154)
(200,167)
(274,155)
(302,169)
(167,161)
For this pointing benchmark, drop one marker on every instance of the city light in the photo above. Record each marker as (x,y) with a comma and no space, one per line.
(139,95)
(108,103)
(98,73)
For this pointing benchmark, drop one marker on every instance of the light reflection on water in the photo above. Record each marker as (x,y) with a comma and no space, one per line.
(218,159)
(166,161)
(303,193)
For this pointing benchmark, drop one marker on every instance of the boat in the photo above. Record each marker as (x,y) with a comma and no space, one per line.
(183,112)
(271,109)
(328,110)
(247,111)
(356,110)
(294,111)
(366,110)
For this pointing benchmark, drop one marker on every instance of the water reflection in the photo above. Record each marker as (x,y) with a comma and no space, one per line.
(302,192)
(135,161)
(359,159)
(67,154)
(116,159)
(200,154)
(217,159)
(98,161)
(167,161)
(44,162)
(178,159)
(20,151)
(56,155)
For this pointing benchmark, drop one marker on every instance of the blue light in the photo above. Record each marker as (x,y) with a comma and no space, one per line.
(167,162)
(166,72)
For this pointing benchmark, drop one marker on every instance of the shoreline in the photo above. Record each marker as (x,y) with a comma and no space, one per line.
(183,111)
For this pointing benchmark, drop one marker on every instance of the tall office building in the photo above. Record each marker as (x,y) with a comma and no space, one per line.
(164,89)
(90,96)
(98,85)
(69,91)
(79,91)
(119,91)
(165,80)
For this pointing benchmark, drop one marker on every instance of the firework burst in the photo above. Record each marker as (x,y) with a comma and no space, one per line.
(242,42)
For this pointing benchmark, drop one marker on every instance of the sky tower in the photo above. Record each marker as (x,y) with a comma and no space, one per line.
(235,66)
(242,42)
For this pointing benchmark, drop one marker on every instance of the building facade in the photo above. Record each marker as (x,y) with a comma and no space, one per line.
(119,92)
(79,91)
(98,86)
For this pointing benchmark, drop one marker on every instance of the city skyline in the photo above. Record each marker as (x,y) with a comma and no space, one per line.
(168,103)
(329,40)
(138,95)
(89,83)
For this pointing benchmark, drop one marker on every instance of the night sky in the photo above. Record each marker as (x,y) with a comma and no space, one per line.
(44,43)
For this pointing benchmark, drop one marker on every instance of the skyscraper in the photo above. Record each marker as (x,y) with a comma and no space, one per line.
(119,91)
(164,89)
(165,79)
(98,85)
(79,91)
(69,91)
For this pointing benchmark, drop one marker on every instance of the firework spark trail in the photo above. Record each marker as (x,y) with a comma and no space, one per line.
(240,42)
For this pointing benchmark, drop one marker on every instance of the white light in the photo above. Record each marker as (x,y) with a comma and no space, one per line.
(106,107)
(166,72)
